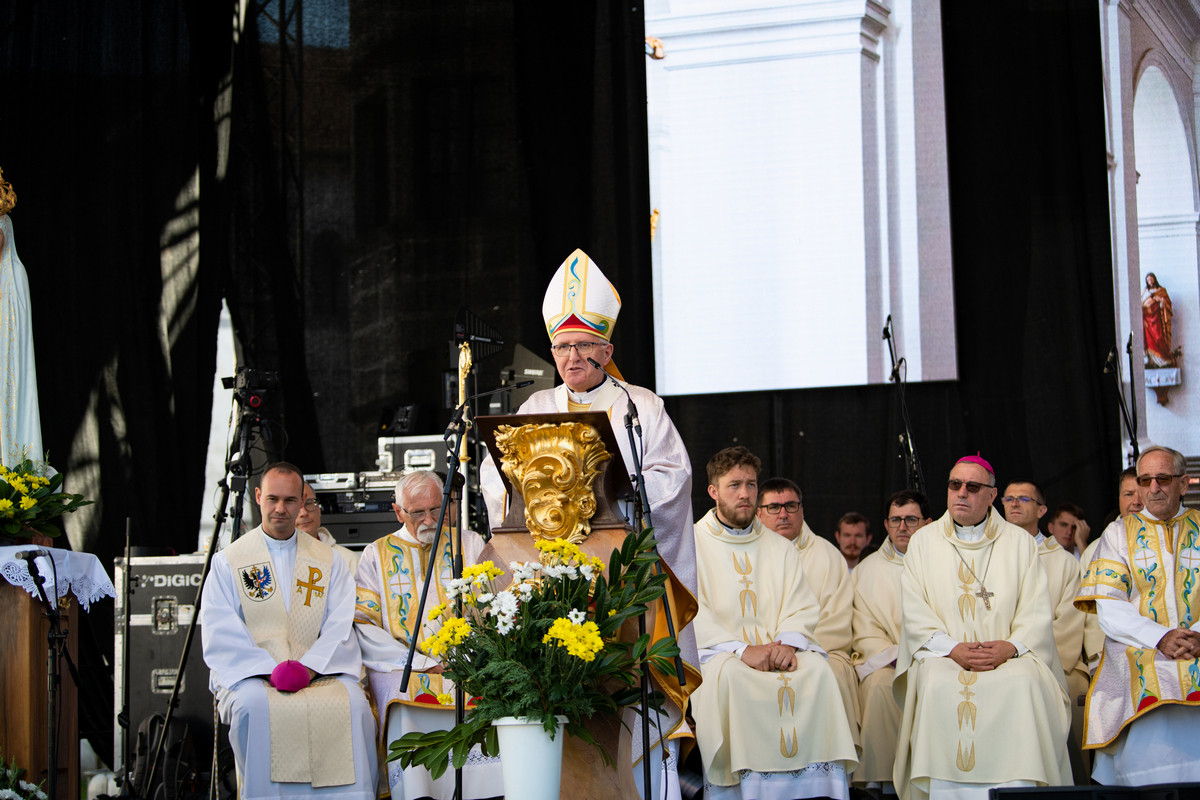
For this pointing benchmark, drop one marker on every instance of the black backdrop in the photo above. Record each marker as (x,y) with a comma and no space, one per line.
(457,152)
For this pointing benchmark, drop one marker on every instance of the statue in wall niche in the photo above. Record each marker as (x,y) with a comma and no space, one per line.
(1156,324)
(1162,356)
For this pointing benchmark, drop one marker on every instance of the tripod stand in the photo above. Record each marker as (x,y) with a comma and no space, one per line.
(237,472)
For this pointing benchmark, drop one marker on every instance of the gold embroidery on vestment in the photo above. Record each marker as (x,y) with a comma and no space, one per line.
(314,575)
(788,693)
(966,764)
(789,751)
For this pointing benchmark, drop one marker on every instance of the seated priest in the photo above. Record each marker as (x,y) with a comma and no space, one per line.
(769,719)
(781,508)
(977,673)
(877,638)
(391,574)
(1143,708)
(276,624)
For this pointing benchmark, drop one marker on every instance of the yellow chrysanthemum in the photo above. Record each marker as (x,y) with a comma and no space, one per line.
(437,610)
(27,503)
(560,551)
(18,484)
(6,507)
(452,633)
(484,568)
(582,641)
(445,699)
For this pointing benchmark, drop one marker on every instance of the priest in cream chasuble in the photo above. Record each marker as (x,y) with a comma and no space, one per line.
(828,578)
(877,635)
(1143,708)
(977,674)
(768,713)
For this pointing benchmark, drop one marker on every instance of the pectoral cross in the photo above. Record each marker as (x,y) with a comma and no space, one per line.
(984,595)
(314,575)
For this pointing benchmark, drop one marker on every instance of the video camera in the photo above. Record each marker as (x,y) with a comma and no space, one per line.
(250,386)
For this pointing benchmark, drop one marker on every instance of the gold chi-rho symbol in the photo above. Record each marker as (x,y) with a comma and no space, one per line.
(314,575)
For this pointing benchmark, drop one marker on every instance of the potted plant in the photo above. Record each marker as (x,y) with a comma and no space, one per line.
(29,500)
(548,650)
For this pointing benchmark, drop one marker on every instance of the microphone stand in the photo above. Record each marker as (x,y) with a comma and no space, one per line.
(56,649)
(123,717)
(1111,368)
(456,456)
(641,515)
(914,477)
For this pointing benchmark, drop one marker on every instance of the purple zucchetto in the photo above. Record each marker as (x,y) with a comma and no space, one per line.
(980,460)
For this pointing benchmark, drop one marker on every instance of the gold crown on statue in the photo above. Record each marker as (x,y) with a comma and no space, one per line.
(8,198)
(580,298)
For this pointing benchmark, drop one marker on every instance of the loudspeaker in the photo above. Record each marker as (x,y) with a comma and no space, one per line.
(162,597)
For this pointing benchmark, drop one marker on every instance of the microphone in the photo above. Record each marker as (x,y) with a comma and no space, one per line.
(1110,362)
(887,328)
(633,413)
(29,554)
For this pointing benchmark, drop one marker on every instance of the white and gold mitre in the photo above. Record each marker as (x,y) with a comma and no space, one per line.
(580,298)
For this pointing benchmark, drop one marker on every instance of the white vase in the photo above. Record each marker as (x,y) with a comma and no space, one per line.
(530,760)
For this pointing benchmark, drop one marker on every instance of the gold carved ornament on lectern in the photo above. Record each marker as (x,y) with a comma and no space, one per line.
(554,467)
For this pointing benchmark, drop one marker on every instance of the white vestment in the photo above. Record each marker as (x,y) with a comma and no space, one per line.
(876,643)
(957,725)
(667,471)
(391,573)
(238,668)
(20,424)
(763,733)
(1143,709)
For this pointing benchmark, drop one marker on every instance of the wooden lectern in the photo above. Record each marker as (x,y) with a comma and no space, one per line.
(23,723)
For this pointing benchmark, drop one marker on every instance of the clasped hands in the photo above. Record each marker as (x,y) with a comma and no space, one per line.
(982,656)
(771,656)
(1180,643)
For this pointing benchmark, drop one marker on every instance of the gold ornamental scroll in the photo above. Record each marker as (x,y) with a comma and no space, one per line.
(554,466)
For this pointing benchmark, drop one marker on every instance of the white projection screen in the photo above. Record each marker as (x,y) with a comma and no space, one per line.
(798,178)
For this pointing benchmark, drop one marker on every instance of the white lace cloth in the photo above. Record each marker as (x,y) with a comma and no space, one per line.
(80,574)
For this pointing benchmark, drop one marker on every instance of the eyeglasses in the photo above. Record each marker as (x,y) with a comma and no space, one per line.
(954,484)
(584,349)
(775,508)
(1008,499)
(894,522)
(428,512)
(311,504)
(1163,479)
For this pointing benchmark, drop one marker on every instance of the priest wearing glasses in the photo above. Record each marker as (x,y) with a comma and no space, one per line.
(977,672)
(1143,708)
(580,310)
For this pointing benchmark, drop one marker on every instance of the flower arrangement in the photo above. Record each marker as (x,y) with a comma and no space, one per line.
(549,644)
(29,500)
(12,787)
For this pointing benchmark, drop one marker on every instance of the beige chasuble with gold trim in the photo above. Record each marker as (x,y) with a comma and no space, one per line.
(753,590)
(829,578)
(876,639)
(311,740)
(990,727)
